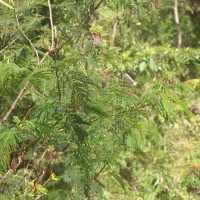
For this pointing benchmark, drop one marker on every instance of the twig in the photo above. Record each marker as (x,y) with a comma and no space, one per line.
(86,20)
(27,83)
(58,84)
(177,23)
(21,92)
(21,182)
(44,57)
(5,175)
(113,33)
(18,186)
(101,170)
(38,197)
(52,26)
(52,50)
(129,79)
(15,102)
(24,34)
(9,44)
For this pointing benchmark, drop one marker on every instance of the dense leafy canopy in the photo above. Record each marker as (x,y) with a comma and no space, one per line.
(94,96)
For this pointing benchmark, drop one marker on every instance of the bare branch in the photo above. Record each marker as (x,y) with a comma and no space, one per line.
(100,171)
(44,57)
(177,23)
(15,102)
(87,19)
(19,97)
(58,84)
(27,83)
(5,175)
(52,26)
(53,49)
(24,34)
(9,44)
(129,80)
(113,33)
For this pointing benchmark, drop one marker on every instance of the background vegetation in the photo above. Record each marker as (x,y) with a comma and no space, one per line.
(99,99)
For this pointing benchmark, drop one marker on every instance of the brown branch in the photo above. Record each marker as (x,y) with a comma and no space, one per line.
(15,102)
(100,171)
(13,41)
(44,57)
(113,33)
(5,175)
(24,34)
(87,19)
(54,50)
(52,26)
(177,23)
(51,51)
(19,184)
(19,97)
(9,44)
(129,79)
(58,84)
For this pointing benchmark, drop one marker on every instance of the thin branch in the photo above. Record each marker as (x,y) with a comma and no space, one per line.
(5,175)
(24,34)
(20,183)
(27,83)
(87,19)
(9,44)
(15,102)
(177,23)
(52,26)
(58,84)
(28,144)
(52,50)
(100,171)
(156,3)
(44,57)
(113,33)
(129,79)
(13,41)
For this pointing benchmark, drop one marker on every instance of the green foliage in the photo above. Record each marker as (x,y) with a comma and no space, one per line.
(92,119)
(9,138)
